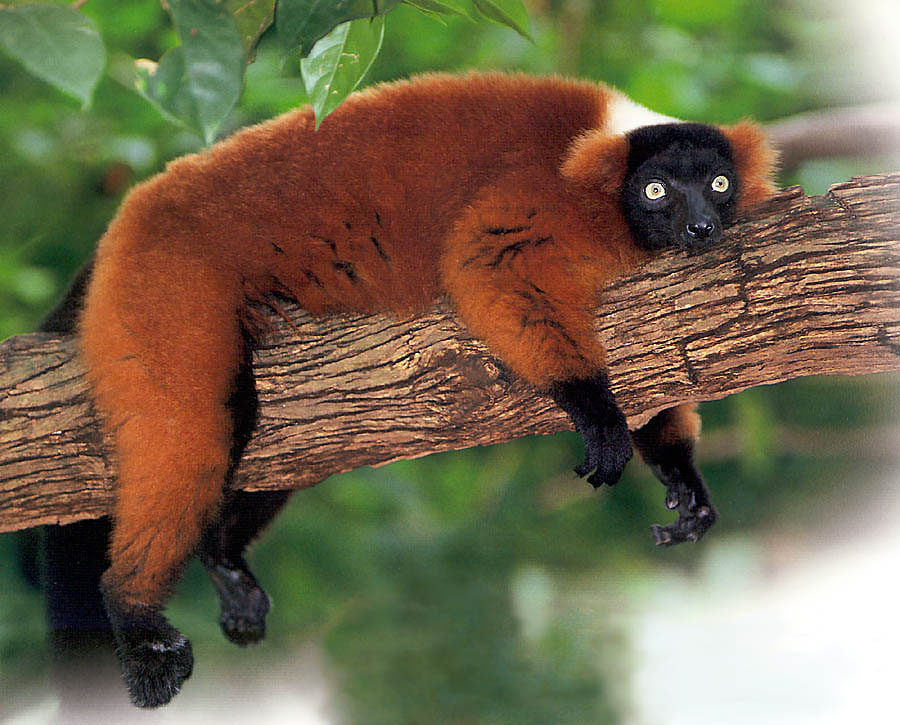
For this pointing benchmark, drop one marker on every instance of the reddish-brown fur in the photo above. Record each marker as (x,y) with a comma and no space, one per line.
(492,189)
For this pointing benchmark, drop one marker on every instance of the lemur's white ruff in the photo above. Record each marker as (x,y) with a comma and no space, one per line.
(625,115)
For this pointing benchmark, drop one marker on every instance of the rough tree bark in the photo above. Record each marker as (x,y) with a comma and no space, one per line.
(808,285)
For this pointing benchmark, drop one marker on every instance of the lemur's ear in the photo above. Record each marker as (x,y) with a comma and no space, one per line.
(597,160)
(755,161)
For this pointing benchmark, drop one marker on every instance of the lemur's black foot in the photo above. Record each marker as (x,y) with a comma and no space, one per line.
(593,410)
(155,657)
(687,493)
(244,603)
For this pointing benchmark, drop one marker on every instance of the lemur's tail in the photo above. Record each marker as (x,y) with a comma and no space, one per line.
(161,338)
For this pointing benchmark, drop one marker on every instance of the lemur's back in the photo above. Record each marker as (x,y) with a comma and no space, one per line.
(352,215)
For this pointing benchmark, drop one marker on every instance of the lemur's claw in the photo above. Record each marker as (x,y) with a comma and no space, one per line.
(672,498)
(583,469)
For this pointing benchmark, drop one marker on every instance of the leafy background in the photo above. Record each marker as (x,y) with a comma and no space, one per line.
(489,586)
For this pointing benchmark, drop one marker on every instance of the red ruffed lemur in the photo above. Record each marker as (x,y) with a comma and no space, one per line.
(516,198)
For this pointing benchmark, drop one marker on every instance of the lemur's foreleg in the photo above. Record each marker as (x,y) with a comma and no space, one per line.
(516,275)
(666,443)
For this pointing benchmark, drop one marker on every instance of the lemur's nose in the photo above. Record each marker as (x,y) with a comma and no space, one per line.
(700,230)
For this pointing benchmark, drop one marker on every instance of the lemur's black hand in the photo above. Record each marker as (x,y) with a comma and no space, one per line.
(592,408)
(687,493)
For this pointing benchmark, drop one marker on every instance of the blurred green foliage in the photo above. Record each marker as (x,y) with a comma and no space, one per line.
(452,588)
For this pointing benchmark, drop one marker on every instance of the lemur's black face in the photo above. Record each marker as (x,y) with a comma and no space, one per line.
(680,185)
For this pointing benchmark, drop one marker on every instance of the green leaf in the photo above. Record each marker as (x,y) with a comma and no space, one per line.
(198,82)
(305,22)
(441,7)
(338,62)
(57,44)
(164,84)
(252,17)
(511,13)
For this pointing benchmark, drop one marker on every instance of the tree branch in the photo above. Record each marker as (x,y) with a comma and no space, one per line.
(870,130)
(807,286)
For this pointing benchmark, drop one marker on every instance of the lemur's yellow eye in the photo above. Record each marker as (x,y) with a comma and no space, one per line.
(655,190)
(720,183)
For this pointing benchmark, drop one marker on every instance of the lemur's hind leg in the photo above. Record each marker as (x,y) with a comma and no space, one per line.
(666,443)
(244,603)
(244,514)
